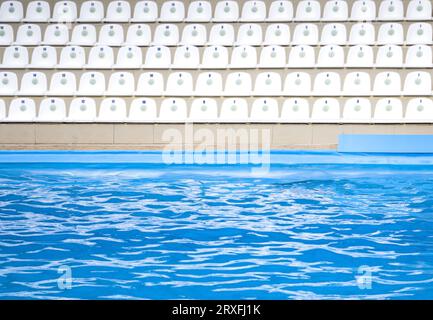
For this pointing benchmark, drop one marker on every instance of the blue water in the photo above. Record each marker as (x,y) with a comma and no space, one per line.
(211,232)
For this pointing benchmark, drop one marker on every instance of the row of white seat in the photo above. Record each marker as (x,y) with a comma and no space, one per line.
(307,10)
(217,57)
(324,110)
(211,84)
(220,34)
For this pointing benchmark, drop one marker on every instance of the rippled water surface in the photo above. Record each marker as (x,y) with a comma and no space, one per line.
(155,232)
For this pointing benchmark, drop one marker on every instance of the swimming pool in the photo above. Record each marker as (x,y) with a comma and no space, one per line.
(318,225)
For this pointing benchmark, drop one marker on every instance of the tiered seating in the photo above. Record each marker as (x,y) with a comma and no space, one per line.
(243,61)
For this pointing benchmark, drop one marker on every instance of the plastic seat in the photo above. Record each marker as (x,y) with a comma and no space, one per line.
(203,110)
(363,10)
(308,10)
(138,35)
(186,57)
(91,84)
(33,84)
(390,33)
(222,35)
(72,57)
(129,57)
(150,84)
(238,84)
(419,10)
(173,110)
(38,11)
(6,35)
(387,83)
(52,110)
(82,110)
(306,33)
(234,110)
(166,35)
(145,11)
(194,34)
(199,11)
(243,57)
(253,11)
(388,110)
(142,110)
(56,35)
(297,84)
(267,84)
(100,57)
(64,11)
(91,11)
(334,34)
(327,84)
(295,110)
(226,11)
(389,56)
(111,35)
(118,11)
(417,83)
(112,110)
(15,57)
(277,34)
(2,110)
(179,84)
(63,84)
(335,10)
(9,83)
(172,11)
(419,56)
(28,35)
(44,57)
(391,10)
(280,11)
(419,33)
(272,57)
(362,33)
(22,110)
(326,110)
(83,35)
(331,56)
(11,11)
(249,35)
(209,84)
(357,110)
(361,56)
(121,84)
(264,110)
(357,84)
(419,110)
(215,57)
(158,57)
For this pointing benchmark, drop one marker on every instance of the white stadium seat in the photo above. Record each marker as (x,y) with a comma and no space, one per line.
(264,110)
(389,56)
(234,110)
(419,33)
(302,57)
(238,84)
(391,10)
(326,110)
(419,10)
(11,11)
(250,35)
(64,11)
(277,34)
(111,35)
(38,11)
(72,57)
(158,57)
(52,110)
(327,84)
(267,84)
(390,33)
(194,34)
(357,110)
(56,35)
(91,84)
(226,11)
(6,35)
(100,57)
(295,110)
(83,35)
(253,11)
(199,11)
(417,83)
(150,84)
(222,34)
(209,84)
(419,110)
(419,56)
(121,84)
(361,56)
(112,110)
(173,110)
(388,110)
(243,57)
(145,11)
(280,11)
(203,110)
(9,83)
(335,10)
(334,33)
(138,35)
(363,10)
(129,57)
(357,84)
(308,10)
(297,84)
(166,35)
(331,56)
(33,84)
(118,11)
(91,11)
(82,110)
(142,110)
(28,35)
(306,33)
(22,110)
(272,57)
(387,83)
(362,33)
(172,11)
(44,57)
(15,57)
(62,84)
(186,57)
(179,84)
